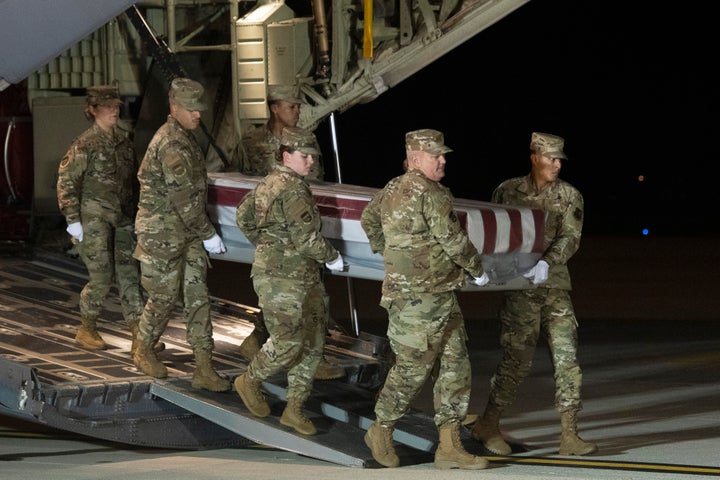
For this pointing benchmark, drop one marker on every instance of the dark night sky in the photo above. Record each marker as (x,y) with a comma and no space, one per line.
(632,89)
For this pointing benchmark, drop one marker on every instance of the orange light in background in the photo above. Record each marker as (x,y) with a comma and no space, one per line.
(641,178)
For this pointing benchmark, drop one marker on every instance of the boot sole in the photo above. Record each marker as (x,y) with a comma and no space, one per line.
(495,451)
(92,347)
(448,465)
(212,388)
(579,454)
(292,425)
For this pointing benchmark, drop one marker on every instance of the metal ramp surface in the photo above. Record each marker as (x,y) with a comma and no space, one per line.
(46,378)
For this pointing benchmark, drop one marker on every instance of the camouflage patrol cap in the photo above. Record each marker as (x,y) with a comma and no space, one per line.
(288,93)
(549,145)
(299,139)
(105,95)
(426,140)
(188,94)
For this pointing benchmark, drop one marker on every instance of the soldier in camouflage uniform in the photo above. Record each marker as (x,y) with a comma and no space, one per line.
(97,193)
(261,146)
(174,232)
(546,309)
(281,219)
(427,257)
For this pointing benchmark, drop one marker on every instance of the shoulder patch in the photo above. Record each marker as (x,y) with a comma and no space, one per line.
(306,217)
(577,214)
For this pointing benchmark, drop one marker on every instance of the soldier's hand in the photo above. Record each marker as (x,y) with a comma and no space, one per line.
(336,265)
(214,244)
(539,273)
(481,280)
(75,230)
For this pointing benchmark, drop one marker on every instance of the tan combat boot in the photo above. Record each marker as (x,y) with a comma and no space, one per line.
(88,336)
(570,442)
(379,438)
(451,453)
(294,417)
(328,371)
(133,326)
(249,390)
(252,345)
(205,375)
(146,360)
(487,431)
(257,338)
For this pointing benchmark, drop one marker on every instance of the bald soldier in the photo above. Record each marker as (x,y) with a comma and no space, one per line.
(174,232)
(97,193)
(546,309)
(427,257)
(281,219)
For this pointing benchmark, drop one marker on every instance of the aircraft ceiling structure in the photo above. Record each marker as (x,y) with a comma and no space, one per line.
(50,28)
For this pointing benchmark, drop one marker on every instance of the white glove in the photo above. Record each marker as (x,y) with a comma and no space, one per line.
(75,229)
(336,265)
(538,273)
(481,280)
(214,244)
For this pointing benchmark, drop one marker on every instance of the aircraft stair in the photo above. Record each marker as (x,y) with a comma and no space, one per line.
(46,378)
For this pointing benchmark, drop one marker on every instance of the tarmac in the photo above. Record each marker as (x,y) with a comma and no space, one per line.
(649,348)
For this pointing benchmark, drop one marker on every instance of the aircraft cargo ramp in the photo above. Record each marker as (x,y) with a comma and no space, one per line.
(46,378)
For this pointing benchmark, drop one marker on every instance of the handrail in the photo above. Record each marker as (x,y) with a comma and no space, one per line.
(6,159)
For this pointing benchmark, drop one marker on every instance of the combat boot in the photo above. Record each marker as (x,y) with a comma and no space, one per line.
(328,371)
(133,326)
(487,431)
(294,417)
(379,438)
(88,336)
(570,442)
(251,345)
(257,338)
(205,376)
(451,453)
(146,360)
(249,390)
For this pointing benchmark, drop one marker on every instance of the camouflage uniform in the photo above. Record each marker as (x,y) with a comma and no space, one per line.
(261,146)
(97,186)
(548,307)
(171,226)
(426,253)
(260,157)
(281,219)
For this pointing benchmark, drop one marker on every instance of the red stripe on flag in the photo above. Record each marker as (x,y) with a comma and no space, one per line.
(226,196)
(539,217)
(516,230)
(489,229)
(462,218)
(346,208)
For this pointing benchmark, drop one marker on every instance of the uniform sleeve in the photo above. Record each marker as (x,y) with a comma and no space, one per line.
(69,184)
(567,241)
(245,217)
(188,200)
(305,228)
(446,229)
(371,222)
